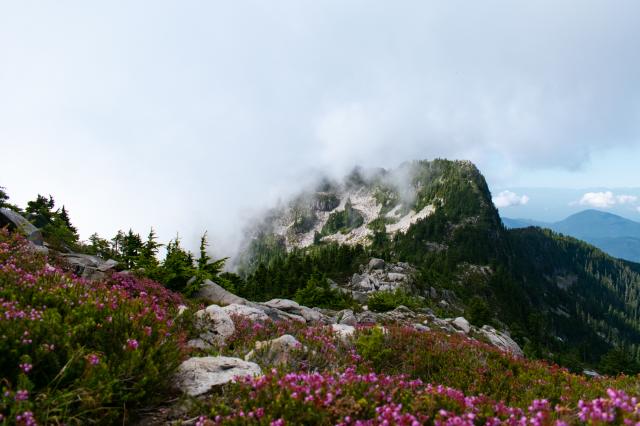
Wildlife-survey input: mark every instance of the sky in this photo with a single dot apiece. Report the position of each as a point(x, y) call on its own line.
point(195, 115)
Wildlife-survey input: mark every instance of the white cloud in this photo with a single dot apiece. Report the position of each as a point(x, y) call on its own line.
point(509, 199)
point(606, 199)
point(626, 199)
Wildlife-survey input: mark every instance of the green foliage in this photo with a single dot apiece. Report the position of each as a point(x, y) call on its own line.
point(318, 293)
point(478, 312)
point(55, 225)
point(618, 360)
point(284, 275)
point(343, 221)
point(3, 197)
point(371, 346)
point(75, 352)
point(383, 301)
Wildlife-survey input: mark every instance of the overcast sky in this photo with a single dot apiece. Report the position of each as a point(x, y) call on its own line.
point(191, 115)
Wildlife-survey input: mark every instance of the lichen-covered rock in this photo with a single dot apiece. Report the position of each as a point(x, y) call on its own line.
point(199, 375)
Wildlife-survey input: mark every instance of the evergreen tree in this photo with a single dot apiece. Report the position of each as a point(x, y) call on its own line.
point(3, 197)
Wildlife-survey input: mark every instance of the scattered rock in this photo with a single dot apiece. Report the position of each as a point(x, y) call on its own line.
point(216, 294)
point(421, 327)
point(376, 264)
point(462, 324)
point(343, 331)
point(250, 312)
point(88, 266)
point(216, 326)
point(277, 351)
point(291, 307)
point(199, 375)
point(347, 317)
point(501, 340)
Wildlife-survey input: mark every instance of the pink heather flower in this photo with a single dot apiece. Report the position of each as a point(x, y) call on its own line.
point(26, 418)
point(22, 395)
point(93, 359)
point(279, 422)
point(201, 421)
point(132, 344)
point(26, 367)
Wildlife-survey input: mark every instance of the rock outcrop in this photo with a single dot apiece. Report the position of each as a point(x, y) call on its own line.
point(199, 375)
point(216, 294)
point(16, 221)
point(88, 266)
point(379, 276)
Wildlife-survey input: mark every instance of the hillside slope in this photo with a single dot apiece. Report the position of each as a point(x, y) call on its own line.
point(561, 299)
point(615, 235)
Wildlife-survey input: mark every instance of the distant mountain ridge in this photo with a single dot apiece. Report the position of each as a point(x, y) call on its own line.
point(613, 234)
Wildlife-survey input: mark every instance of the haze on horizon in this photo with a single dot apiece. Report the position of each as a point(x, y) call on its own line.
point(194, 115)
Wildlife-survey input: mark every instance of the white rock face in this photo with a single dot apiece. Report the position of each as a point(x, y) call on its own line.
point(501, 340)
point(199, 375)
point(406, 221)
point(254, 314)
point(216, 326)
point(462, 324)
point(277, 351)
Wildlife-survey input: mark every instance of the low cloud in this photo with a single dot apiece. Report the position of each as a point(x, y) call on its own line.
point(606, 199)
point(509, 199)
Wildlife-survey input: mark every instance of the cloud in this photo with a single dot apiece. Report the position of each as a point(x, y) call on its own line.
point(186, 115)
point(509, 199)
point(606, 199)
point(627, 199)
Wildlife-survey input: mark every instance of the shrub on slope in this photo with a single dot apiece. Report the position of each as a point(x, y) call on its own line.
point(80, 352)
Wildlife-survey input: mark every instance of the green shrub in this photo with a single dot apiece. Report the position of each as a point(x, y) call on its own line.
point(75, 351)
point(383, 301)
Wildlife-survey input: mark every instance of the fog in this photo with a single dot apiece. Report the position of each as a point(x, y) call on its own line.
point(191, 116)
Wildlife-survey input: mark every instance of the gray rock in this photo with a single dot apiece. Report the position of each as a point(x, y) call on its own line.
point(462, 324)
point(15, 221)
point(376, 264)
point(88, 266)
point(501, 340)
point(276, 351)
point(293, 308)
point(421, 327)
point(250, 312)
point(199, 375)
point(216, 325)
point(216, 294)
point(395, 276)
point(347, 317)
point(343, 331)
